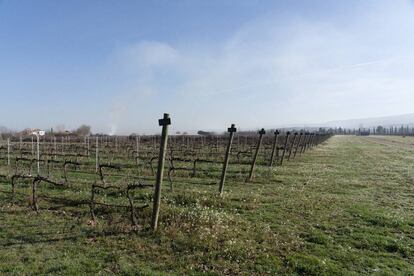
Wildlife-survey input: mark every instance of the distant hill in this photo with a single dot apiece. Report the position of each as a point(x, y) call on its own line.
point(398, 120)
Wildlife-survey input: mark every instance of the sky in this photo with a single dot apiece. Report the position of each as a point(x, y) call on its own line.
point(119, 65)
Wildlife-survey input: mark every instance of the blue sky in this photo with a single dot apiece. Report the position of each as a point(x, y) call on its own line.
point(118, 65)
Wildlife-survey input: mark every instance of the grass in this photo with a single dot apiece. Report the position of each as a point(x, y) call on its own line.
point(345, 207)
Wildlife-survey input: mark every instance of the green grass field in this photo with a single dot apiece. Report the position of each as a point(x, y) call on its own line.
point(345, 207)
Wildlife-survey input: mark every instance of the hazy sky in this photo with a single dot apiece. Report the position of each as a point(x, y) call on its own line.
point(118, 65)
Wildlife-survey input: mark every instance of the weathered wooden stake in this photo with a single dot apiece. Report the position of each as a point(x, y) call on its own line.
point(231, 130)
point(88, 146)
point(32, 146)
point(164, 122)
point(284, 148)
point(305, 141)
point(85, 145)
point(312, 141)
point(137, 146)
point(55, 146)
point(259, 143)
point(38, 155)
point(8, 152)
point(274, 148)
point(295, 135)
point(298, 144)
point(97, 154)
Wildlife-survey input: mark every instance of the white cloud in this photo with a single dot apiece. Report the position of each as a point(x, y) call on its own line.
point(274, 72)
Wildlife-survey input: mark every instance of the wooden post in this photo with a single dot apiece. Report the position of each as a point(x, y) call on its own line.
point(55, 146)
point(305, 140)
point(38, 155)
point(88, 146)
point(298, 144)
point(32, 147)
point(259, 143)
point(292, 144)
point(8, 152)
point(137, 145)
point(317, 140)
point(97, 154)
point(284, 148)
point(231, 130)
point(311, 140)
point(164, 122)
point(274, 148)
point(85, 145)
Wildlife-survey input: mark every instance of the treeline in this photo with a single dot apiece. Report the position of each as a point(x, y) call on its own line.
point(377, 130)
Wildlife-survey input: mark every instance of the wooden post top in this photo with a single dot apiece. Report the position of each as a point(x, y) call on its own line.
point(232, 128)
point(288, 133)
point(262, 131)
point(165, 121)
point(277, 132)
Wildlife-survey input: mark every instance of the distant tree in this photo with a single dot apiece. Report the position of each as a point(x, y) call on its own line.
point(83, 130)
point(380, 129)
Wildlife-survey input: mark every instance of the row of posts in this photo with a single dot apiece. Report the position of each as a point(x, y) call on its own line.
point(165, 122)
point(305, 141)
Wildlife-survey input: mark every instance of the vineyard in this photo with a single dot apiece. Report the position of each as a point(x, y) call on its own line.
point(119, 171)
point(226, 204)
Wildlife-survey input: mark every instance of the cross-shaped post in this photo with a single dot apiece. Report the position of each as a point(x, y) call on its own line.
point(164, 122)
point(231, 130)
point(285, 147)
point(276, 133)
point(259, 143)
